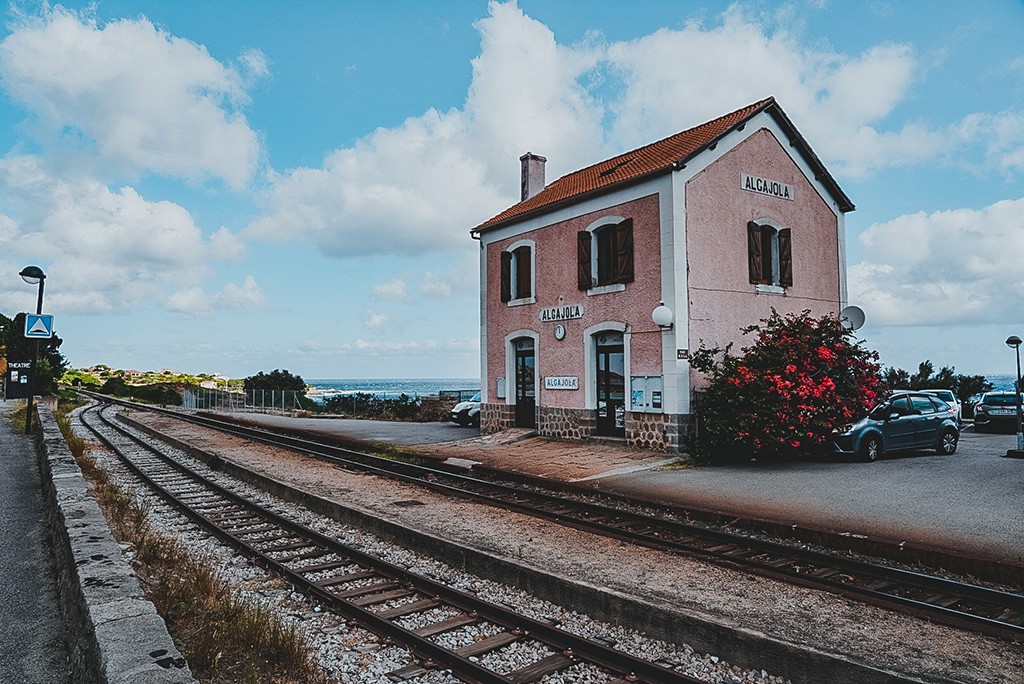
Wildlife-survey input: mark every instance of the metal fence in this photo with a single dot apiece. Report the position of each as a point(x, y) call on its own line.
point(260, 401)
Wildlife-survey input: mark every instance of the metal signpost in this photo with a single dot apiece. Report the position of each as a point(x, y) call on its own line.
point(38, 326)
point(1014, 341)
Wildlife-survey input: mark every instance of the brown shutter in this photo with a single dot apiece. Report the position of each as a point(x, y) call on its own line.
point(785, 257)
point(524, 281)
point(755, 259)
point(624, 260)
point(583, 275)
point(506, 276)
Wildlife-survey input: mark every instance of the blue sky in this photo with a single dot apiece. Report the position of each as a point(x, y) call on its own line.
point(241, 186)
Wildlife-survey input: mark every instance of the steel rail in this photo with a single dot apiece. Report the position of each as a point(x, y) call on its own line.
point(951, 602)
point(572, 648)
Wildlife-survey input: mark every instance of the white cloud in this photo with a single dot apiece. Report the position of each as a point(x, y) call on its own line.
point(434, 287)
point(420, 186)
point(131, 95)
point(947, 267)
point(375, 320)
point(391, 292)
point(111, 249)
point(193, 301)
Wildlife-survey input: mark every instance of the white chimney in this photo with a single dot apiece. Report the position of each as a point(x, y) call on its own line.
point(532, 174)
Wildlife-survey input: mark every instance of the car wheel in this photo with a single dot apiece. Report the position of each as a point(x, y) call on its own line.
point(871, 448)
point(947, 442)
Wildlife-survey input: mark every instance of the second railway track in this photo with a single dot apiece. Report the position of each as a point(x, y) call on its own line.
point(939, 599)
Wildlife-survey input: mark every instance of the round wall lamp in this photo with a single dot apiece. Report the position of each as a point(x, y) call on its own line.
point(662, 316)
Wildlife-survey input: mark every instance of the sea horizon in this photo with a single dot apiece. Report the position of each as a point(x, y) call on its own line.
point(393, 387)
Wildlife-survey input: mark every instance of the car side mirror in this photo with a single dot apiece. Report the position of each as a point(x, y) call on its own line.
point(893, 416)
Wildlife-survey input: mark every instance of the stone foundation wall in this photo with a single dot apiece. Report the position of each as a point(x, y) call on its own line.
point(565, 423)
point(654, 431)
point(496, 417)
point(658, 431)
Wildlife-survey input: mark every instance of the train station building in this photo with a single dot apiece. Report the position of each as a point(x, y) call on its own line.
point(596, 287)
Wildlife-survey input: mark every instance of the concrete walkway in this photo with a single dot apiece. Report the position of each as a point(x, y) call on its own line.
point(32, 635)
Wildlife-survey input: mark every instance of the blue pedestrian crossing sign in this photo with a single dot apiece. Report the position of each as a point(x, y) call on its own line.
point(39, 326)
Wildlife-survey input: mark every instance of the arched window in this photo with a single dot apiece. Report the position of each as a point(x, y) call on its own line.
point(517, 273)
point(769, 255)
point(604, 256)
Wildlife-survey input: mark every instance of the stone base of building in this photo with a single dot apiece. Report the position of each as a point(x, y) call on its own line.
point(654, 431)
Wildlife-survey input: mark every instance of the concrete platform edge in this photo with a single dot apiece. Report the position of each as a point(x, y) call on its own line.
point(800, 663)
point(120, 637)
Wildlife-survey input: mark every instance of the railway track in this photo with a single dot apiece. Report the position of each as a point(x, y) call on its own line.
point(371, 592)
point(939, 599)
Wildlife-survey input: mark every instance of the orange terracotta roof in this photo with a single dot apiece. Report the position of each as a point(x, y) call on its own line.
point(658, 157)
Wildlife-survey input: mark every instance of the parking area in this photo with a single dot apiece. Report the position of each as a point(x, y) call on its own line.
point(972, 501)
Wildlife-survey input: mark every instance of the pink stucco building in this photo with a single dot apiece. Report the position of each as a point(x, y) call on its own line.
point(595, 288)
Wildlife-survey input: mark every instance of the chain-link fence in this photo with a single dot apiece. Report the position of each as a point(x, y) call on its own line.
point(261, 401)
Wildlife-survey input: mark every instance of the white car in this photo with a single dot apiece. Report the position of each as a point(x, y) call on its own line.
point(467, 413)
point(948, 397)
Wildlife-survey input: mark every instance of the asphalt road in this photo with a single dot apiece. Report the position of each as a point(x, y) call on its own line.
point(972, 500)
point(32, 646)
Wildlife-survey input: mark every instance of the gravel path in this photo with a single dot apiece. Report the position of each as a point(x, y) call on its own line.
point(802, 617)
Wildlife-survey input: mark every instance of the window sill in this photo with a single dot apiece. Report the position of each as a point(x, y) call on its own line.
point(770, 289)
point(522, 302)
point(606, 289)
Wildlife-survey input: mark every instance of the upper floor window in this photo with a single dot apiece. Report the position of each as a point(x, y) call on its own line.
point(769, 255)
point(517, 273)
point(604, 256)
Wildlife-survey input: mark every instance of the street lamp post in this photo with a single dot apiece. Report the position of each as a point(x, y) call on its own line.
point(33, 275)
point(1014, 341)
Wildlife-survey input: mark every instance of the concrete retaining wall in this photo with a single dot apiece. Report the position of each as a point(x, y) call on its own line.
point(115, 633)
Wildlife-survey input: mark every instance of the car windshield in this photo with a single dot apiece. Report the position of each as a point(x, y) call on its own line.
point(1000, 399)
point(476, 397)
point(945, 395)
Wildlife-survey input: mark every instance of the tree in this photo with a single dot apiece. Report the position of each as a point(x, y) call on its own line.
point(963, 386)
point(275, 380)
point(280, 380)
point(800, 379)
point(50, 365)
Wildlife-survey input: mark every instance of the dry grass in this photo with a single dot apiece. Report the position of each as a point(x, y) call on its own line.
point(224, 638)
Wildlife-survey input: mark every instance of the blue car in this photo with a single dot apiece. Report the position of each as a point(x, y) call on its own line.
point(903, 422)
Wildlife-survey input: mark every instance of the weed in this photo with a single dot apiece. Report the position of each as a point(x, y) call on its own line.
point(223, 637)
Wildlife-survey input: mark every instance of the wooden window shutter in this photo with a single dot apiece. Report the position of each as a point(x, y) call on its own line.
point(785, 257)
point(583, 275)
point(624, 243)
point(506, 276)
point(755, 255)
point(524, 279)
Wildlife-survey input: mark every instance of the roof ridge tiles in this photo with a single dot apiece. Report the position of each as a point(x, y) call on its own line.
point(656, 157)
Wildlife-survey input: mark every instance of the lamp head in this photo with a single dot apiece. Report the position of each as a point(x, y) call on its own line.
point(32, 275)
point(1013, 341)
point(662, 316)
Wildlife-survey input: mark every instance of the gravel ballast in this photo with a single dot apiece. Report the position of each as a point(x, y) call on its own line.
point(804, 620)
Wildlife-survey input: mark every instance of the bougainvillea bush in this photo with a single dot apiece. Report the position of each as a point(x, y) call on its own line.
point(800, 378)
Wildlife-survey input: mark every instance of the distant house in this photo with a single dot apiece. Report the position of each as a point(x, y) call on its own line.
point(595, 288)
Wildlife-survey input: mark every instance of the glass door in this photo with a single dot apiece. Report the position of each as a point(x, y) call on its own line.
point(526, 391)
point(611, 385)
